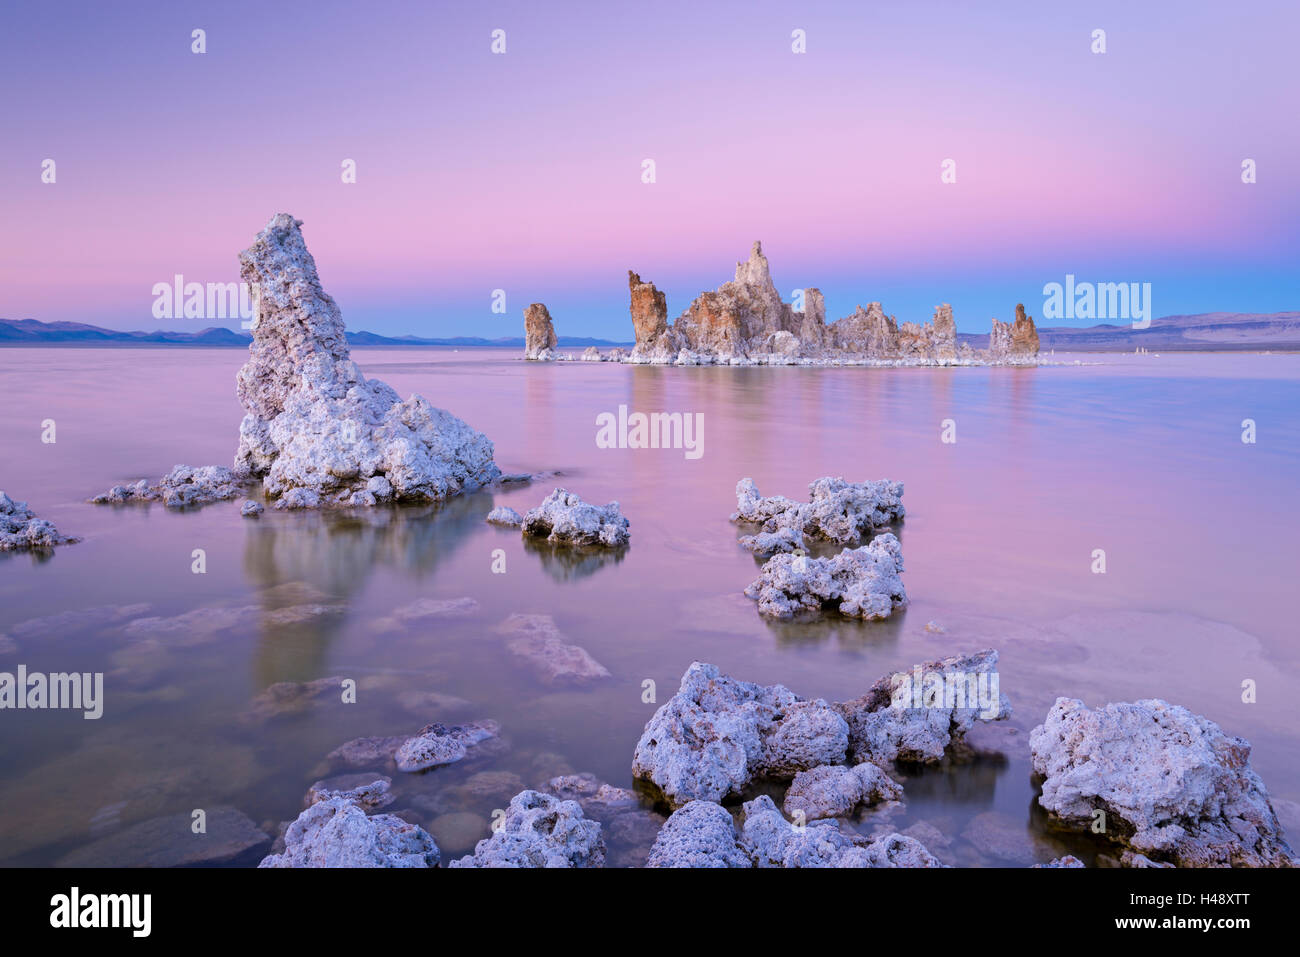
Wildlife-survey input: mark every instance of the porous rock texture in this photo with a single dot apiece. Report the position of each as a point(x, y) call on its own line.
point(745, 322)
point(318, 432)
point(336, 832)
point(438, 744)
point(885, 725)
point(540, 830)
point(20, 530)
point(836, 790)
point(504, 515)
point(564, 518)
point(1175, 789)
point(698, 834)
point(539, 333)
point(837, 511)
point(772, 841)
point(183, 486)
point(716, 734)
point(859, 582)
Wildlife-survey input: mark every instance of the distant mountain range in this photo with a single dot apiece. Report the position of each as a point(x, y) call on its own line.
point(1208, 332)
point(32, 332)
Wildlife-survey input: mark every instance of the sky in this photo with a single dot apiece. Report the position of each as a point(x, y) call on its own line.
point(523, 171)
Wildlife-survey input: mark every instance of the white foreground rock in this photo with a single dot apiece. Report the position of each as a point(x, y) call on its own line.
point(20, 530)
point(698, 834)
point(921, 715)
point(716, 734)
point(1174, 788)
point(317, 431)
point(540, 830)
point(335, 832)
point(564, 518)
point(859, 582)
point(836, 790)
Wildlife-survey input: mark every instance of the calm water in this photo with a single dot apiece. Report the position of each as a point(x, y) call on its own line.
point(1138, 455)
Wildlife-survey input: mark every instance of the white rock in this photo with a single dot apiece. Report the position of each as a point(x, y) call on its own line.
point(438, 744)
point(772, 841)
point(698, 834)
point(716, 734)
point(1173, 786)
point(501, 515)
point(540, 830)
point(316, 430)
point(336, 832)
point(858, 582)
point(565, 518)
point(836, 790)
point(838, 511)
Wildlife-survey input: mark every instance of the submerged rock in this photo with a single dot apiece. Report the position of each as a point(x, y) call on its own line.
point(858, 582)
point(20, 530)
point(336, 832)
point(540, 830)
point(838, 511)
point(836, 790)
point(716, 734)
point(368, 791)
point(182, 487)
point(922, 715)
point(698, 834)
point(539, 333)
point(171, 842)
point(1174, 788)
point(251, 509)
point(317, 432)
point(538, 642)
point(564, 518)
point(501, 515)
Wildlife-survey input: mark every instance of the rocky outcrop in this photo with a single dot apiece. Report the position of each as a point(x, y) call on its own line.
point(336, 832)
point(655, 341)
point(838, 511)
point(540, 830)
point(564, 518)
point(1173, 787)
point(772, 841)
point(745, 322)
point(318, 432)
point(922, 715)
point(182, 487)
point(539, 333)
point(20, 530)
point(836, 790)
point(716, 734)
point(1014, 342)
point(502, 515)
point(858, 582)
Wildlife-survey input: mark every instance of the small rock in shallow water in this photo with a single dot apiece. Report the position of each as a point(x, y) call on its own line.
point(20, 530)
point(182, 487)
point(251, 509)
point(540, 830)
point(438, 744)
point(501, 515)
point(858, 583)
point(337, 833)
point(839, 511)
point(564, 518)
point(539, 643)
point(771, 841)
point(368, 791)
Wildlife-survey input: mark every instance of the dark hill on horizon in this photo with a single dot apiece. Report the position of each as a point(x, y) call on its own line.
point(1206, 332)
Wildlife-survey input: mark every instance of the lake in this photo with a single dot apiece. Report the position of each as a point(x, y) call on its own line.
point(1139, 456)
